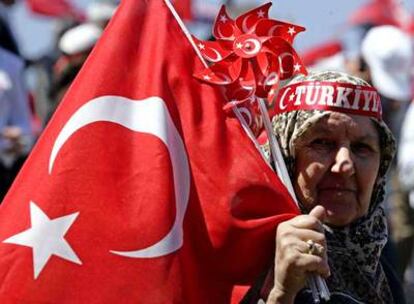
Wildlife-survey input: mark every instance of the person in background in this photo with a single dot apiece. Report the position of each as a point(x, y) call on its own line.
point(77, 42)
point(7, 40)
point(337, 159)
point(75, 45)
point(388, 55)
point(404, 221)
point(100, 13)
point(16, 137)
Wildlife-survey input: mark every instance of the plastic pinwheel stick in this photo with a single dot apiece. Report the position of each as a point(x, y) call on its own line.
point(316, 282)
point(314, 289)
point(275, 152)
point(325, 294)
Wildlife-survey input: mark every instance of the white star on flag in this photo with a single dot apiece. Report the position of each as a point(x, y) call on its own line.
point(291, 31)
point(291, 97)
point(46, 237)
point(297, 67)
point(223, 18)
point(201, 46)
point(260, 14)
point(239, 45)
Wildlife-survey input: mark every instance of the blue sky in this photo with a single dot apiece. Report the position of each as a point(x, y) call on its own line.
point(323, 20)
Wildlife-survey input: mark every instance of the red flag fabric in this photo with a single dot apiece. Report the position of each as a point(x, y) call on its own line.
point(184, 9)
point(55, 8)
point(140, 190)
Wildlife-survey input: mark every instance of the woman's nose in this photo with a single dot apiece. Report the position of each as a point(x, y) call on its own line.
point(343, 162)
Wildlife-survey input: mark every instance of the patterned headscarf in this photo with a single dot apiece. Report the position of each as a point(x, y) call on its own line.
point(353, 251)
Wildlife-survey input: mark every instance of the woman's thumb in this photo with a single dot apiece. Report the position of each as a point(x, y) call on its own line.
point(319, 212)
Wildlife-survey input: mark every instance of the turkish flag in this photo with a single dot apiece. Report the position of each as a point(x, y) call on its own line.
point(55, 8)
point(140, 190)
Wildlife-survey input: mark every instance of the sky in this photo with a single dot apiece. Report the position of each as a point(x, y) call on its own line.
point(323, 19)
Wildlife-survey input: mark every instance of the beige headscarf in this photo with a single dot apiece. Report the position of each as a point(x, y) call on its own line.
point(353, 251)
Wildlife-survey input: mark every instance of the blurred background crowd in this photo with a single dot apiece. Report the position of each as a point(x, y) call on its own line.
point(44, 43)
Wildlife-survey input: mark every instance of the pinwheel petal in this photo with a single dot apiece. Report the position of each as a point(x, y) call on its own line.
point(224, 26)
point(234, 66)
point(247, 21)
point(247, 77)
point(238, 91)
point(212, 51)
point(263, 62)
point(214, 77)
point(268, 86)
point(249, 109)
point(286, 57)
point(271, 95)
point(271, 28)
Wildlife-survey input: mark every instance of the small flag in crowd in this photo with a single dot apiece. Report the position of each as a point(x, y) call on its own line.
point(55, 8)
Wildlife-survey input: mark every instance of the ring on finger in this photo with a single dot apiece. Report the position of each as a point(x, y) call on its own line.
point(315, 248)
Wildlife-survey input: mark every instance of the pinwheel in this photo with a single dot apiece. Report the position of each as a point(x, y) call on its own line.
point(250, 55)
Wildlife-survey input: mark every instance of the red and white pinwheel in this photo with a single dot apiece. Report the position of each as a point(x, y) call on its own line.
point(251, 54)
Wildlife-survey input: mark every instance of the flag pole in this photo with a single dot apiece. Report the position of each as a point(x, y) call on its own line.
point(185, 31)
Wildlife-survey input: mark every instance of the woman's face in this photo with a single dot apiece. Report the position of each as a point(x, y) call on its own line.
point(337, 163)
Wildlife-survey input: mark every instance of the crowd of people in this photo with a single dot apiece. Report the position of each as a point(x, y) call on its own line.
point(373, 52)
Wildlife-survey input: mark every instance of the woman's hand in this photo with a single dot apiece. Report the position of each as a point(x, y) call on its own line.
point(293, 262)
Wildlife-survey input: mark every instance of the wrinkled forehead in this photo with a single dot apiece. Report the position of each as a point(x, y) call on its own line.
point(343, 126)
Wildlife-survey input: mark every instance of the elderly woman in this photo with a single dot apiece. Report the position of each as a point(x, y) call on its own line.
point(337, 150)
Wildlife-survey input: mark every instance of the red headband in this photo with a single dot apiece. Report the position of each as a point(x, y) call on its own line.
point(332, 96)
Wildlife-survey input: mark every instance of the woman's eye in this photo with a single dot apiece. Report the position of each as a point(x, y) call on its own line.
point(362, 148)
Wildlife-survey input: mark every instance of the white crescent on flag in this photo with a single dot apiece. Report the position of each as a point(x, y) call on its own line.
point(150, 116)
